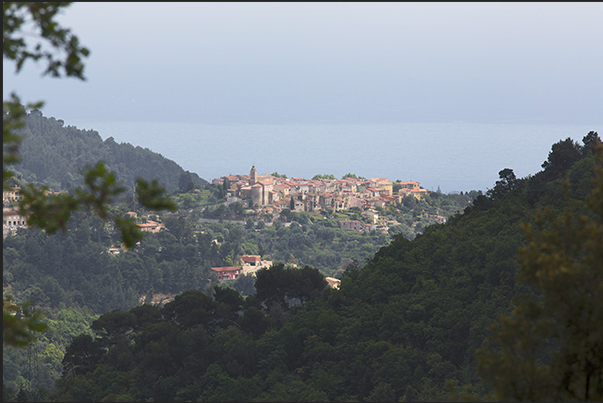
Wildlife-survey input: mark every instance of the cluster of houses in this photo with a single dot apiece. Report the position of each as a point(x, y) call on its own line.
point(12, 218)
point(147, 225)
point(272, 194)
point(312, 195)
point(249, 265)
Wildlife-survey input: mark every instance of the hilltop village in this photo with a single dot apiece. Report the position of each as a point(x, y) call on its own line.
point(269, 195)
point(372, 208)
point(272, 193)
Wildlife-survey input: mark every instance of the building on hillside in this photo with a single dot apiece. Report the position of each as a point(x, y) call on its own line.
point(12, 220)
point(419, 193)
point(356, 201)
point(251, 260)
point(352, 224)
point(250, 264)
point(10, 197)
point(281, 204)
point(412, 188)
point(150, 226)
point(395, 198)
point(313, 204)
point(326, 201)
point(379, 202)
point(245, 193)
point(227, 273)
point(231, 181)
point(260, 190)
point(114, 251)
point(410, 185)
point(333, 282)
point(340, 203)
point(298, 203)
point(283, 189)
point(383, 184)
point(371, 214)
point(303, 186)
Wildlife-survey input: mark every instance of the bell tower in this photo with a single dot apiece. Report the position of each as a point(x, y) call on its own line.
point(253, 176)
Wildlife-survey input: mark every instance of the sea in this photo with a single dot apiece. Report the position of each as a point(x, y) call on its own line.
point(446, 157)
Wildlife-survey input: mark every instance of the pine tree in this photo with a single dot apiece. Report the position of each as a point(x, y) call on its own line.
point(551, 347)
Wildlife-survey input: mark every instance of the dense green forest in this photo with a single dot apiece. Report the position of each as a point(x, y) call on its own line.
point(410, 323)
point(74, 279)
point(55, 155)
point(405, 323)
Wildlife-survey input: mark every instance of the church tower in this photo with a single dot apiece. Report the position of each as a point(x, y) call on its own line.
point(253, 176)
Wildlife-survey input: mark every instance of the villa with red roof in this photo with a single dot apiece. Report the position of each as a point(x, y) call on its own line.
point(150, 226)
point(227, 272)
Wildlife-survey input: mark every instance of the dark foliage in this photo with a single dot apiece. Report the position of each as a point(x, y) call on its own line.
point(55, 155)
point(403, 324)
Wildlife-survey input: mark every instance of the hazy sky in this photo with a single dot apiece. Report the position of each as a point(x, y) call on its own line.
point(329, 63)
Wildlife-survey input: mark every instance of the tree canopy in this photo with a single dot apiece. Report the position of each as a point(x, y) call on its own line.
point(526, 256)
point(551, 347)
point(49, 211)
point(402, 326)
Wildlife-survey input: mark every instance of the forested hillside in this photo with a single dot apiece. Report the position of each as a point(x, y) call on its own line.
point(73, 275)
point(73, 279)
point(403, 324)
point(54, 155)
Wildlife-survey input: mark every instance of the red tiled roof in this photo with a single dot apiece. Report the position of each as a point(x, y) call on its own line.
point(148, 224)
point(225, 268)
point(10, 213)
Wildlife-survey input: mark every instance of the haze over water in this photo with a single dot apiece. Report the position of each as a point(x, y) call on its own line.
point(447, 94)
point(451, 156)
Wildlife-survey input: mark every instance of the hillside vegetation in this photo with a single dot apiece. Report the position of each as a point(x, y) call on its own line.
point(73, 278)
point(405, 323)
point(54, 155)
